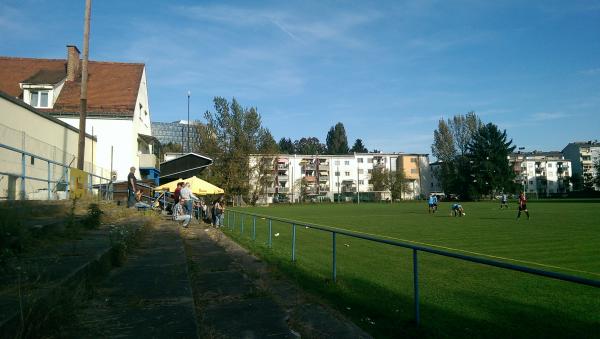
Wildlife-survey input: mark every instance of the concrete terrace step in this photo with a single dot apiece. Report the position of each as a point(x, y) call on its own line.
point(54, 276)
point(149, 297)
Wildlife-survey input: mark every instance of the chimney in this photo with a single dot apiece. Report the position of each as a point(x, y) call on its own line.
point(72, 62)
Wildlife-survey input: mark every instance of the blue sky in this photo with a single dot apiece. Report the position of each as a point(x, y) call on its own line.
point(388, 70)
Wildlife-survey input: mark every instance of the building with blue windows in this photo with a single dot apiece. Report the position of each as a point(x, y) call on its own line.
point(176, 133)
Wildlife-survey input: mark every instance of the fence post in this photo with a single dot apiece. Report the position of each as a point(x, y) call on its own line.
point(243, 218)
point(23, 195)
point(49, 179)
point(416, 287)
point(234, 216)
point(67, 182)
point(293, 242)
point(270, 233)
point(254, 227)
point(333, 266)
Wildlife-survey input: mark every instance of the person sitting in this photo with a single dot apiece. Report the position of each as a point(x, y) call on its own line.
point(179, 213)
point(457, 209)
point(139, 204)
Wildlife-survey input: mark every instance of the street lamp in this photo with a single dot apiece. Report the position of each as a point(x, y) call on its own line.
point(188, 122)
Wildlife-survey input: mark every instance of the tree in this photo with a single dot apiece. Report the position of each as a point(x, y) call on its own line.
point(380, 179)
point(597, 177)
point(450, 142)
point(577, 181)
point(286, 146)
point(488, 158)
point(398, 184)
point(358, 147)
point(337, 142)
point(308, 146)
point(231, 134)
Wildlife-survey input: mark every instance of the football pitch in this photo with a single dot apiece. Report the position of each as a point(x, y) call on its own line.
point(457, 298)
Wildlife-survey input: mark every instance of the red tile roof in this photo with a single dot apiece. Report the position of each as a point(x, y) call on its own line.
point(112, 86)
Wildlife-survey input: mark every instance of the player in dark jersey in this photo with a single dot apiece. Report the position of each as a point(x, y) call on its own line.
point(523, 205)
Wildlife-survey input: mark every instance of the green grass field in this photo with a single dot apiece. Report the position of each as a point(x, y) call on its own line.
point(457, 298)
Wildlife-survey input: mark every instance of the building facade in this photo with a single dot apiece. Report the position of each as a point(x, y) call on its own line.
point(176, 133)
point(542, 173)
point(583, 156)
point(27, 129)
point(285, 177)
point(118, 111)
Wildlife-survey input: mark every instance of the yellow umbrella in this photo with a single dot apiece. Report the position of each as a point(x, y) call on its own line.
point(198, 186)
point(201, 187)
point(170, 186)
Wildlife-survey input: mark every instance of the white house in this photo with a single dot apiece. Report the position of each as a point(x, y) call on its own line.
point(583, 156)
point(333, 177)
point(542, 173)
point(118, 112)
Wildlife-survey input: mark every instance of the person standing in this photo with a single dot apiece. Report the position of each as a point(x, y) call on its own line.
point(523, 205)
point(131, 187)
point(504, 201)
point(186, 193)
point(179, 213)
point(218, 213)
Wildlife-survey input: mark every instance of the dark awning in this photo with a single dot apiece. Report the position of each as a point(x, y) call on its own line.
point(185, 166)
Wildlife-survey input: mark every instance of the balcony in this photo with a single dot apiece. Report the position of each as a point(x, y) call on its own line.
point(282, 177)
point(148, 161)
point(282, 167)
point(309, 167)
point(323, 178)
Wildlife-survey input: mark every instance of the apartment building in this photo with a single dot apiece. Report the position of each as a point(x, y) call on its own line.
point(285, 177)
point(542, 173)
point(583, 155)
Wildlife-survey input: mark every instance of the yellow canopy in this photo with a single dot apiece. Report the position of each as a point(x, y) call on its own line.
point(199, 186)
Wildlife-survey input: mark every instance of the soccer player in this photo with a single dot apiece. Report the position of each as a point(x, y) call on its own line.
point(523, 205)
point(504, 201)
point(432, 202)
point(457, 209)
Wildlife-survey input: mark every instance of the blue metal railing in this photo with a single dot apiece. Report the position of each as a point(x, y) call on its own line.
point(65, 175)
point(415, 250)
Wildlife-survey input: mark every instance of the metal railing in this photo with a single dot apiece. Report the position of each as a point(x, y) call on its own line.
point(415, 249)
point(63, 180)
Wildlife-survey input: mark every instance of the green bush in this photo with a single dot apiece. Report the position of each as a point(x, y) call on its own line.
point(93, 217)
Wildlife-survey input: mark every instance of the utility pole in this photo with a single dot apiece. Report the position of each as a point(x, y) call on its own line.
point(84, 76)
point(188, 123)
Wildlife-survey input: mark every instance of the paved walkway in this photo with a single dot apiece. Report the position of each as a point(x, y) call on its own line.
point(149, 297)
point(188, 283)
point(238, 297)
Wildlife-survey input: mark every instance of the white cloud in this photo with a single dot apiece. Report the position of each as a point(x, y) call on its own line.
point(591, 71)
point(545, 116)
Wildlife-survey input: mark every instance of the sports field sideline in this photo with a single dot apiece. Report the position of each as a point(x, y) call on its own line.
point(375, 280)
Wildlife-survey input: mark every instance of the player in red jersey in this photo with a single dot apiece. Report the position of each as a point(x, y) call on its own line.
point(523, 205)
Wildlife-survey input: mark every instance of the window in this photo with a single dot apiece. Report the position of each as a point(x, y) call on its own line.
point(531, 182)
point(361, 171)
point(337, 174)
point(413, 170)
point(337, 162)
point(360, 160)
point(337, 184)
point(347, 162)
point(347, 174)
point(549, 165)
point(39, 99)
point(369, 171)
point(361, 182)
point(370, 160)
point(413, 160)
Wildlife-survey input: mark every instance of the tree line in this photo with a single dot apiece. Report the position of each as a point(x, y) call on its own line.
point(473, 157)
point(336, 143)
